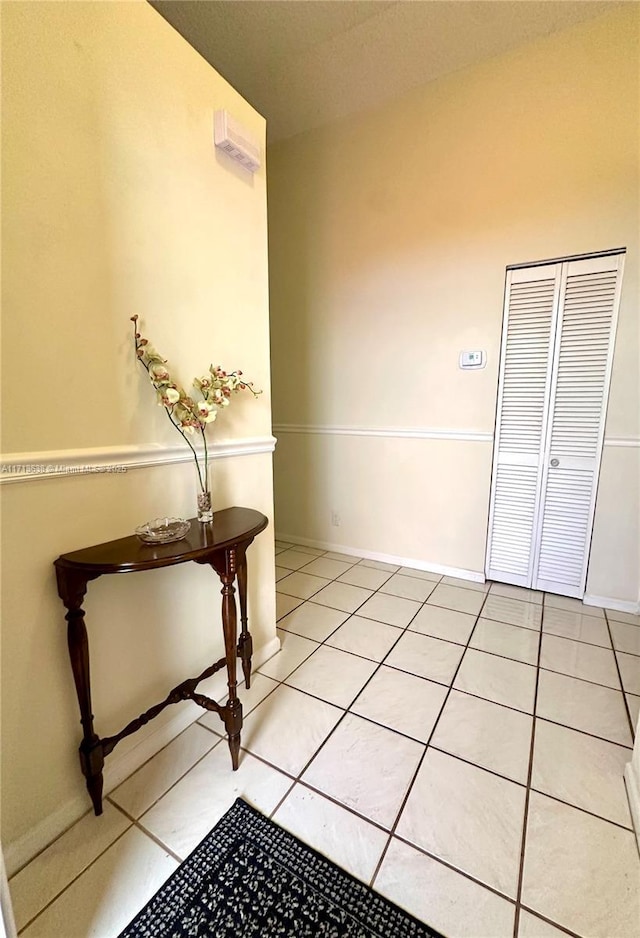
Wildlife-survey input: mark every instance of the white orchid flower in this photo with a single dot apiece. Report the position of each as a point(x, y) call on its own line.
point(158, 372)
point(170, 396)
point(206, 412)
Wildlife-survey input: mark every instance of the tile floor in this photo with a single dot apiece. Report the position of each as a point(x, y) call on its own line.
point(458, 745)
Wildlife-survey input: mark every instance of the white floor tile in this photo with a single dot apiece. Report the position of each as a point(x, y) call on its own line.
point(517, 592)
point(576, 626)
point(499, 679)
point(288, 727)
point(626, 637)
point(191, 808)
point(346, 558)
point(110, 893)
point(629, 617)
point(349, 841)
point(409, 587)
point(390, 609)
point(587, 662)
point(510, 641)
point(530, 926)
point(380, 565)
point(582, 770)
point(333, 675)
point(467, 810)
point(293, 559)
point(153, 779)
point(365, 637)
point(629, 671)
point(313, 621)
point(572, 605)
point(468, 817)
point(261, 686)
point(357, 753)
point(366, 577)
point(45, 877)
point(582, 706)
point(447, 901)
point(285, 604)
point(491, 736)
point(302, 585)
point(581, 872)
point(452, 597)
point(342, 596)
point(466, 584)
point(402, 702)
point(328, 568)
point(444, 623)
point(426, 657)
point(633, 702)
point(294, 650)
point(420, 574)
point(512, 611)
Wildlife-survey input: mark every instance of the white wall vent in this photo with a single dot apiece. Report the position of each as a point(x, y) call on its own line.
point(229, 135)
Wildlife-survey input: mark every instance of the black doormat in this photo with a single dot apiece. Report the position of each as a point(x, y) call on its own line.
point(251, 879)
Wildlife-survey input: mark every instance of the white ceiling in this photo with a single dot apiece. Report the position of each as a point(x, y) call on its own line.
point(302, 63)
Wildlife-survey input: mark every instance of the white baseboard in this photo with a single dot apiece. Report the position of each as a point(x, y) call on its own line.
point(118, 767)
point(632, 782)
point(474, 575)
point(608, 602)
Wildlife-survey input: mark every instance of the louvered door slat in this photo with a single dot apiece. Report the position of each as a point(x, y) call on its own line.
point(530, 306)
point(582, 364)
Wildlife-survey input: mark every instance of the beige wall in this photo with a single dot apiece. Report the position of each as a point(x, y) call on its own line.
point(389, 236)
point(115, 202)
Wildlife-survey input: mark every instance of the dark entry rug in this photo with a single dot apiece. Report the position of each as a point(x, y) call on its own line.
point(251, 879)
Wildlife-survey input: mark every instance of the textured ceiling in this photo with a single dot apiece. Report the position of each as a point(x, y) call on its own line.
point(302, 63)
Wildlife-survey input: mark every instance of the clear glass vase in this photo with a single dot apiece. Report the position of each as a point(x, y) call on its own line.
point(205, 511)
point(203, 494)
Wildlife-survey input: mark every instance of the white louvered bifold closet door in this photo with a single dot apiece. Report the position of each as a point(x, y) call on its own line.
point(557, 350)
point(531, 304)
point(589, 299)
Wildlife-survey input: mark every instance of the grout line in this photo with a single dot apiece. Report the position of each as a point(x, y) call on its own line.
point(283, 799)
point(549, 921)
point(124, 811)
point(107, 797)
point(455, 869)
point(577, 807)
point(377, 667)
point(50, 844)
point(401, 630)
point(624, 694)
point(135, 822)
point(515, 625)
point(438, 684)
point(75, 878)
point(158, 842)
point(421, 761)
point(525, 817)
point(450, 687)
point(473, 648)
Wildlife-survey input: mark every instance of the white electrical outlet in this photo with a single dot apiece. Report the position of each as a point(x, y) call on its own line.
point(335, 519)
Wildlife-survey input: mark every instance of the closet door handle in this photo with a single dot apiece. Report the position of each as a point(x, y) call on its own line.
point(555, 463)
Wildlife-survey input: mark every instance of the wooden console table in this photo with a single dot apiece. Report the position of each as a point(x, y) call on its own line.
point(223, 545)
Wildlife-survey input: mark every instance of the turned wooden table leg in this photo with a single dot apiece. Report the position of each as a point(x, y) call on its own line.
point(245, 642)
point(91, 752)
point(233, 711)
